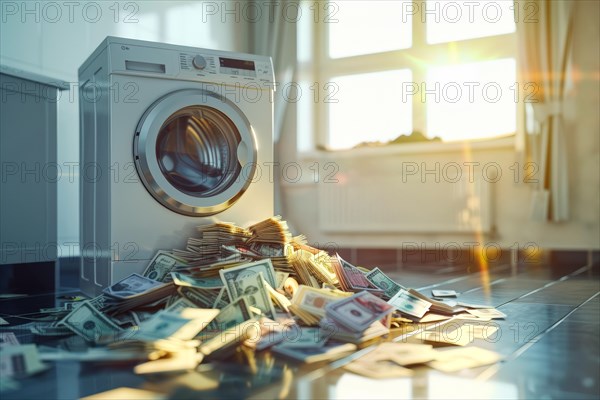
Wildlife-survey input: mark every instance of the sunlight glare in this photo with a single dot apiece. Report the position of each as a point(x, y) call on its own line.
point(369, 108)
point(471, 101)
point(363, 27)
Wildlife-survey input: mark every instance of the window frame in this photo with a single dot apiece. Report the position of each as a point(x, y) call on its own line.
point(320, 68)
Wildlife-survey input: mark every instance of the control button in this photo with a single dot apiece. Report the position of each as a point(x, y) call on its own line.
point(199, 62)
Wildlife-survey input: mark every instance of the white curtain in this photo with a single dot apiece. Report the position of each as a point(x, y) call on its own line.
point(545, 50)
point(274, 35)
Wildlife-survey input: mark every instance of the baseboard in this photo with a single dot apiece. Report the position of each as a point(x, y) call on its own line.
point(407, 257)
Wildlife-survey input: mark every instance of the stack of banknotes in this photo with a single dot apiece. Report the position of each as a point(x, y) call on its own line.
point(258, 288)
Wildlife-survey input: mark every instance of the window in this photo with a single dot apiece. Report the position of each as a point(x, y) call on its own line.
point(375, 70)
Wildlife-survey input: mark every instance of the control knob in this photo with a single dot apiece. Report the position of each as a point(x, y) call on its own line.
point(199, 62)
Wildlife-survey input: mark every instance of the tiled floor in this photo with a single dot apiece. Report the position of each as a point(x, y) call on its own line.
point(550, 345)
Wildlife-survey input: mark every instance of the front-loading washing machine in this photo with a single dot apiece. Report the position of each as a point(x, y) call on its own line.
point(172, 137)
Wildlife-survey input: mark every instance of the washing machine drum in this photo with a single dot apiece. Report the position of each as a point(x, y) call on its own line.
point(195, 152)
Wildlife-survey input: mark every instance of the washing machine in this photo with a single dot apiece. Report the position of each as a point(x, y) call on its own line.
point(172, 137)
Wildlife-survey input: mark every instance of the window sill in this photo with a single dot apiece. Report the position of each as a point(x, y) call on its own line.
point(505, 142)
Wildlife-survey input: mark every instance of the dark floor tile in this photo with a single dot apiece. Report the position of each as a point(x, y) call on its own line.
point(573, 291)
point(564, 362)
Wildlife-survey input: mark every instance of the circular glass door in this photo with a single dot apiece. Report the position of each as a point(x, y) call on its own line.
point(195, 152)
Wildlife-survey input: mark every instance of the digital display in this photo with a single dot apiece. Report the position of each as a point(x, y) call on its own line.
point(237, 64)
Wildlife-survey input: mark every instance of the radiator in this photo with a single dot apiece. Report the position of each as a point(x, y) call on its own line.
point(385, 204)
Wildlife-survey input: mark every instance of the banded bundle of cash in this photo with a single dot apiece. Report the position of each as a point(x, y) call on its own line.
point(225, 245)
point(136, 291)
point(207, 247)
point(319, 265)
point(211, 269)
point(357, 318)
point(271, 230)
point(351, 279)
point(309, 303)
point(272, 238)
point(242, 251)
point(281, 254)
point(339, 332)
point(300, 266)
point(313, 268)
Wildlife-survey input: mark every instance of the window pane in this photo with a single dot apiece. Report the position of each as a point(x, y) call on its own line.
point(304, 35)
point(369, 108)
point(305, 118)
point(471, 101)
point(364, 27)
point(449, 21)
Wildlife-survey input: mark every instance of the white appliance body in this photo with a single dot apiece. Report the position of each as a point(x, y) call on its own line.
point(172, 137)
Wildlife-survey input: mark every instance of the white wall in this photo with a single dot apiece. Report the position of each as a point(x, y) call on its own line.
point(511, 202)
point(55, 40)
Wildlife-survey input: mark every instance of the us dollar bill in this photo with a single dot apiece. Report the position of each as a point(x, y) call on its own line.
point(202, 298)
point(281, 277)
point(179, 305)
point(8, 339)
point(465, 357)
point(182, 324)
point(90, 323)
point(232, 315)
point(20, 361)
point(359, 311)
point(131, 286)
point(314, 300)
point(161, 265)
point(205, 283)
point(98, 302)
point(222, 299)
point(253, 288)
point(47, 330)
point(264, 266)
point(384, 282)
point(306, 337)
point(407, 303)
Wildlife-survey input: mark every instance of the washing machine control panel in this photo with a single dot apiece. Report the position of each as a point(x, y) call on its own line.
point(188, 63)
point(228, 68)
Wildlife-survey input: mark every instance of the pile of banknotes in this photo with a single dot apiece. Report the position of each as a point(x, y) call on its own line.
point(258, 288)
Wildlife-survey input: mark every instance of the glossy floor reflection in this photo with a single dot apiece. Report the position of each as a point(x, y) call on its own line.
point(549, 343)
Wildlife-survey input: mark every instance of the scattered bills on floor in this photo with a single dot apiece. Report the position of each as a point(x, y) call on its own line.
point(257, 288)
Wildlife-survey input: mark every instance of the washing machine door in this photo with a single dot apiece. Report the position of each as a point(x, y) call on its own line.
point(195, 152)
